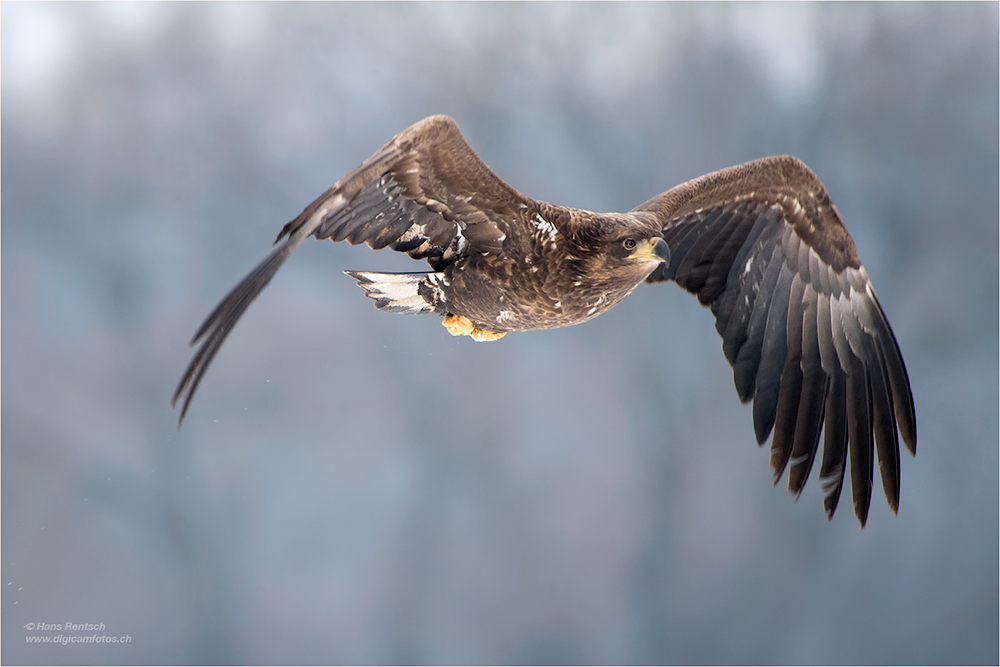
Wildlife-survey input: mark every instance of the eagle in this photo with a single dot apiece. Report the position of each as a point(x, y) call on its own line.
point(761, 244)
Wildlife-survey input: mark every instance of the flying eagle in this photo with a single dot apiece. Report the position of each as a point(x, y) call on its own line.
point(761, 244)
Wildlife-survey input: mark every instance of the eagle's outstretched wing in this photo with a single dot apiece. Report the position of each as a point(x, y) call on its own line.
point(425, 193)
point(764, 247)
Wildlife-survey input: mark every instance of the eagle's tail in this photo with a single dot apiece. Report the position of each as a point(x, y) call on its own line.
point(409, 293)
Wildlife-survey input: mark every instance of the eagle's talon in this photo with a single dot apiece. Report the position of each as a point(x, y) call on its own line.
point(457, 325)
point(483, 336)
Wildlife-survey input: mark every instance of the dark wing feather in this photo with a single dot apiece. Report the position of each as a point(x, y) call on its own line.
point(764, 247)
point(774, 347)
point(790, 390)
point(831, 471)
point(743, 338)
point(425, 193)
point(815, 383)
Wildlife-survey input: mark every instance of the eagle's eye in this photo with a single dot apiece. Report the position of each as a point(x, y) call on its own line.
point(629, 244)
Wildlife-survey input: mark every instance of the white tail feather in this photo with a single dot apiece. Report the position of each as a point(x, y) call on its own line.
point(400, 292)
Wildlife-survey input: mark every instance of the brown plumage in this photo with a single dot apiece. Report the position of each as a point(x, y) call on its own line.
point(761, 244)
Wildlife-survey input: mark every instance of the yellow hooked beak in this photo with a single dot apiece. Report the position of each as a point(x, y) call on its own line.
point(653, 250)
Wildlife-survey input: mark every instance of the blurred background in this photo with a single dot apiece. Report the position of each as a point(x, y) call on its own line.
point(357, 487)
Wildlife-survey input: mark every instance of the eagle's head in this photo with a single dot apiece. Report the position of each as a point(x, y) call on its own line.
point(616, 250)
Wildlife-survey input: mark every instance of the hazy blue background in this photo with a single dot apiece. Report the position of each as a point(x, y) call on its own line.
point(357, 487)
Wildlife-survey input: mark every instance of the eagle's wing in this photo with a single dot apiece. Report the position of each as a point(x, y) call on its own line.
point(425, 193)
point(764, 247)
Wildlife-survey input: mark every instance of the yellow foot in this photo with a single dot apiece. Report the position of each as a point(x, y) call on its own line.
point(482, 335)
point(458, 325)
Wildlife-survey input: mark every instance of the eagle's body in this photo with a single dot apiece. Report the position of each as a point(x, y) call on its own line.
point(761, 244)
point(516, 290)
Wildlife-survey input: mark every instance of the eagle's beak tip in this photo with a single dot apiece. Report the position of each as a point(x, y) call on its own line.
point(661, 249)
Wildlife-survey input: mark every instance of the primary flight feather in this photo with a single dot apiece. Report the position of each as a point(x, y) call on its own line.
point(761, 244)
